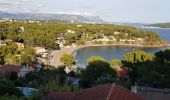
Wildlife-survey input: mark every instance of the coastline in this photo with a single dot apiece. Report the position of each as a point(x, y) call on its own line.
point(155, 27)
point(55, 60)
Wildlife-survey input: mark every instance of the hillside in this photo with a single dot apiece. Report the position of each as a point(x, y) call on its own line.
point(46, 34)
point(43, 16)
point(162, 25)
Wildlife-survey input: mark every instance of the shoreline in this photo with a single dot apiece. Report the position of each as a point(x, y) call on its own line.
point(55, 60)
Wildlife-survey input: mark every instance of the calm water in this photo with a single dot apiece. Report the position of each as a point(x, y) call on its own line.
point(111, 52)
point(163, 33)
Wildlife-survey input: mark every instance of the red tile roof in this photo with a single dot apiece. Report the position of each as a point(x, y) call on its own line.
point(122, 72)
point(101, 92)
point(4, 69)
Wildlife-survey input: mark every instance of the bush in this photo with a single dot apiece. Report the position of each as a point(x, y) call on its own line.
point(13, 76)
point(98, 42)
point(7, 87)
point(80, 42)
point(110, 42)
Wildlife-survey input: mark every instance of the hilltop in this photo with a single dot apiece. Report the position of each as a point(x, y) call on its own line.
point(59, 17)
point(161, 25)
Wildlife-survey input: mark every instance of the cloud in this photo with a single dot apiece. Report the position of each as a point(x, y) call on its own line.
point(13, 5)
point(76, 13)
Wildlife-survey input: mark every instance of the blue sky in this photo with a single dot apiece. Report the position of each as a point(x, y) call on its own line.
point(145, 11)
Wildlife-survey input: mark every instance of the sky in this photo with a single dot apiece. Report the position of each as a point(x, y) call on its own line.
point(136, 11)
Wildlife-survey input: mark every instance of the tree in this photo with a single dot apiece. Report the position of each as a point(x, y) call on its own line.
point(138, 56)
point(13, 76)
point(116, 62)
point(6, 51)
point(12, 59)
point(28, 56)
point(133, 60)
point(163, 56)
point(67, 60)
point(25, 59)
point(7, 87)
point(94, 58)
point(95, 70)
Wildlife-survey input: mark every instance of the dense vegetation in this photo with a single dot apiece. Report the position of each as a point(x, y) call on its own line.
point(144, 69)
point(11, 55)
point(45, 34)
point(162, 25)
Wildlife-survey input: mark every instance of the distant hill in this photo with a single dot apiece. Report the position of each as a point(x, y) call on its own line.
point(162, 25)
point(42, 16)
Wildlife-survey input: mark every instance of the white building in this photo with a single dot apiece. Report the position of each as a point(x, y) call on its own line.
point(2, 43)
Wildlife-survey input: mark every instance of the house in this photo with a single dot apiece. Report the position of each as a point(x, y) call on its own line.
point(24, 70)
point(131, 40)
point(70, 31)
point(6, 70)
point(104, 39)
point(101, 92)
point(21, 29)
point(41, 51)
point(151, 93)
point(122, 40)
point(2, 43)
point(20, 46)
point(116, 33)
point(79, 25)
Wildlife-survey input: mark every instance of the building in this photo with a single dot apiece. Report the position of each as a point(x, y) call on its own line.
point(70, 31)
point(2, 43)
point(152, 93)
point(39, 50)
point(20, 46)
point(101, 92)
point(79, 25)
point(24, 70)
point(6, 70)
point(21, 29)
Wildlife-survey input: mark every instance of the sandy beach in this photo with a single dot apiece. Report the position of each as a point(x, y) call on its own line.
point(55, 60)
point(57, 54)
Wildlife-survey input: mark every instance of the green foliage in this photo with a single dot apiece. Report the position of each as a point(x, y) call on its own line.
point(163, 56)
point(98, 42)
point(138, 56)
point(9, 98)
point(110, 42)
point(45, 34)
point(67, 60)
point(151, 73)
point(53, 85)
point(116, 62)
point(94, 58)
point(6, 51)
point(28, 56)
point(10, 55)
point(80, 42)
point(95, 70)
point(8, 88)
point(36, 79)
point(162, 25)
point(13, 76)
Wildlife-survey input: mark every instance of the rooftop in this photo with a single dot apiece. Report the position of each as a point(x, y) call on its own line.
point(101, 92)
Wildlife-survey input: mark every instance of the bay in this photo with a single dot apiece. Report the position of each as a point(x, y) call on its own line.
point(117, 52)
